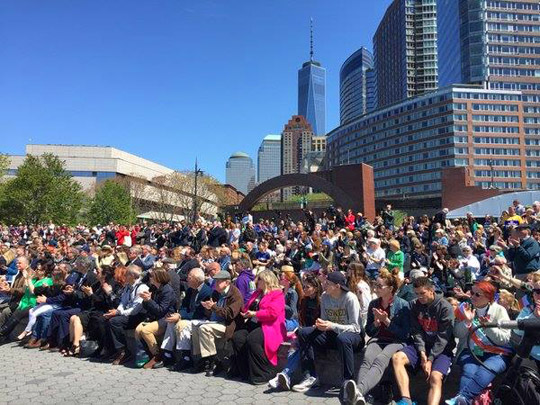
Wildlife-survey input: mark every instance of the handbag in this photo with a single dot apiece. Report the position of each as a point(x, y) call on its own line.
point(88, 348)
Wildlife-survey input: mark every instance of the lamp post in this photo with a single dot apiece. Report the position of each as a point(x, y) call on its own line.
point(490, 163)
point(197, 173)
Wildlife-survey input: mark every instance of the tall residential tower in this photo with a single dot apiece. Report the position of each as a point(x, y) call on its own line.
point(405, 50)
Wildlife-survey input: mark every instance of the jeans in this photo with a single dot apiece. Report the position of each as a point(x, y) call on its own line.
point(345, 342)
point(41, 328)
point(293, 361)
point(38, 311)
point(474, 377)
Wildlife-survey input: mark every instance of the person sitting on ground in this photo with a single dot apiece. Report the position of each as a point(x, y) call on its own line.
point(256, 342)
point(358, 283)
point(245, 282)
point(375, 257)
point(339, 327)
point(395, 258)
point(432, 320)
point(15, 291)
point(157, 305)
point(292, 288)
point(91, 322)
point(223, 312)
point(19, 318)
point(126, 316)
point(388, 327)
point(179, 325)
point(39, 317)
point(490, 345)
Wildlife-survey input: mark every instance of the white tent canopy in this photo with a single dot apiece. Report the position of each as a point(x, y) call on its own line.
point(494, 206)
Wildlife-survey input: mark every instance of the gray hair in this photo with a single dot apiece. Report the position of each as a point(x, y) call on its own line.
point(137, 250)
point(198, 274)
point(134, 270)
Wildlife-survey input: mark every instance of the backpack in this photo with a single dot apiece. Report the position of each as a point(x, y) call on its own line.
point(525, 392)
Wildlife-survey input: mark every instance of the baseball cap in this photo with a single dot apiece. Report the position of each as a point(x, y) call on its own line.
point(338, 278)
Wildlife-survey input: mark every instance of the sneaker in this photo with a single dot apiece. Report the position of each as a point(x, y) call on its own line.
point(306, 384)
point(457, 400)
point(360, 400)
point(349, 392)
point(405, 402)
point(273, 383)
point(284, 381)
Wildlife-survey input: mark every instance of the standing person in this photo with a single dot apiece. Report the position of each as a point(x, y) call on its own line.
point(490, 345)
point(388, 327)
point(257, 341)
point(388, 217)
point(432, 320)
point(338, 327)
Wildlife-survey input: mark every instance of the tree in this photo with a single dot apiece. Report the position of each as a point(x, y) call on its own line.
point(112, 202)
point(41, 191)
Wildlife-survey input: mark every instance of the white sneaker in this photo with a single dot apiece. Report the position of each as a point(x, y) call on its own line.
point(350, 393)
point(273, 383)
point(360, 400)
point(284, 381)
point(306, 384)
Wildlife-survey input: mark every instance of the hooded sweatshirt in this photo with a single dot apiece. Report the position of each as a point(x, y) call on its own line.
point(432, 327)
point(246, 284)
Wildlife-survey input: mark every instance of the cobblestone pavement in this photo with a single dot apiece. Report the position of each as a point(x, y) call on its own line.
point(32, 377)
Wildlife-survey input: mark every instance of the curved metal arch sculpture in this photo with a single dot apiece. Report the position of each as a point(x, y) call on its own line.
point(350, 186)
point(296, 179)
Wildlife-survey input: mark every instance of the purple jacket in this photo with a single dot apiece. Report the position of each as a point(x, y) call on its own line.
point(245, 282)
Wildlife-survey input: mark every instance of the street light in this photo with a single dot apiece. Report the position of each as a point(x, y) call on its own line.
point(197, 173)
point(490, 163)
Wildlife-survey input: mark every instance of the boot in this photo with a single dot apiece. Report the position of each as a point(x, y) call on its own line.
point(8, 326)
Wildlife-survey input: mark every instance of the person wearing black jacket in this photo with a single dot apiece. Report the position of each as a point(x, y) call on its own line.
point(524, 251)
point(91, 321)
point(73, 300)
point(158, 305)
point(249, 234)
point(217, 236)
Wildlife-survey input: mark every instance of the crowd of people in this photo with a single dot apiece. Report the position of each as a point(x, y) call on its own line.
point(259, 300)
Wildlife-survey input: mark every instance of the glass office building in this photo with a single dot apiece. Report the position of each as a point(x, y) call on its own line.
point(269, 158)
point(312, 95)
point(405, 51)
point(240, 172)
point(354, 91)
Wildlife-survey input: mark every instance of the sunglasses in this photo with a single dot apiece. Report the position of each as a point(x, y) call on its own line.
point(536, 290)
point(477, 294)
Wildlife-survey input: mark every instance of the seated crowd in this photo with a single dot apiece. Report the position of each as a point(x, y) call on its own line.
point(261, 301)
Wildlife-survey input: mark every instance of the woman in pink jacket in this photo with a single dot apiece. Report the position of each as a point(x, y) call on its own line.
point(257, 341)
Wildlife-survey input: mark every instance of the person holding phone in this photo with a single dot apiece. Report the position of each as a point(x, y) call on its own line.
point(256, 342)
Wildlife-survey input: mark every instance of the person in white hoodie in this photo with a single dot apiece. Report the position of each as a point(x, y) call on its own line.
point(490, 345)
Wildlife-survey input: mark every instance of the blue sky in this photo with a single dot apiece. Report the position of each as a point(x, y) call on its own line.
point(169, 80)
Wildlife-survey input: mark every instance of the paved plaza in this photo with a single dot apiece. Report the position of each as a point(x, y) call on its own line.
point(32, 377)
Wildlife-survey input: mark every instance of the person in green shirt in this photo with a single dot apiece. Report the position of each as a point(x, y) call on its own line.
point(19, 318)
point(395, 257)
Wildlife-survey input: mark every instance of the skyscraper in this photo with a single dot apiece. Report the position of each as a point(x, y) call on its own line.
point(355, 94)
point(269, 158)
point(312, 93)
point(405, 50)
point(296, 143)
point(240, 172)
point(497, 45)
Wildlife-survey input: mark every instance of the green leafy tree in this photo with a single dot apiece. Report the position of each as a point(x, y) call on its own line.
point(41, 191)
point(112, 202)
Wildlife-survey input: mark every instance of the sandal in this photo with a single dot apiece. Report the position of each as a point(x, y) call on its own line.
point(23, 335)
point(73, 351)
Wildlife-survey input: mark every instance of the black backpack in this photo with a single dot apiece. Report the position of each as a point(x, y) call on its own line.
point(526, 390)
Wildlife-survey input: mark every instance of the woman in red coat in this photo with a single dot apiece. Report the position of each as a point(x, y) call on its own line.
point(349, 220)
point(257, 341)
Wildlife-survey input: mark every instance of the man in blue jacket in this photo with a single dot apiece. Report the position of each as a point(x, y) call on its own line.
point(524, 251)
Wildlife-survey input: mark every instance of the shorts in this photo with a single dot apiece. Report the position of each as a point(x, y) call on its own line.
point(441, 363)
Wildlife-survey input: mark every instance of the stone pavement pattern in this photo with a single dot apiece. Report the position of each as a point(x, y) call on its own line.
point(31, 376)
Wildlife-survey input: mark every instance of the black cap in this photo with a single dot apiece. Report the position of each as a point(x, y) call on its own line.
point(523, 226)
point(338, 278)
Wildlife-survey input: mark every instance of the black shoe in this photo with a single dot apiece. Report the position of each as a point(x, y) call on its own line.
point(183, 364)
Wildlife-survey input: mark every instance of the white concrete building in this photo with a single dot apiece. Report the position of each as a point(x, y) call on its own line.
point(90, 165)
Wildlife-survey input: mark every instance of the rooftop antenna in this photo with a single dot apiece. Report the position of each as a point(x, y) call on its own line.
point(311, 40)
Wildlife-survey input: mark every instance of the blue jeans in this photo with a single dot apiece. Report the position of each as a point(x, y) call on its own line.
point(291, 324)
point(293, 361)
point(474, 377)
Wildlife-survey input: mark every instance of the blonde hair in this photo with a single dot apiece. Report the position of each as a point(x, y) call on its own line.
point(395, 244)
point(511, 299)
point(270, 280)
